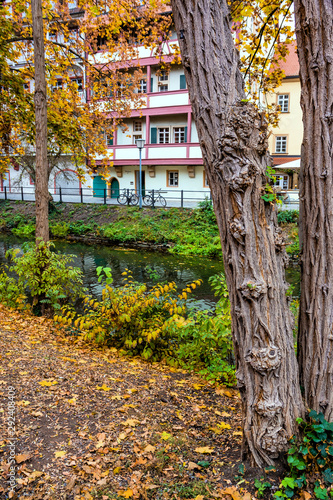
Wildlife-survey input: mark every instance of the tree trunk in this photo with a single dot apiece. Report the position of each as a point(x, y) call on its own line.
point(41, 186)
point(233, 139)
point(314, 21)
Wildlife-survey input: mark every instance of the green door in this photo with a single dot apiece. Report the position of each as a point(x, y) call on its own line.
point(114, 188)
point(99, 184)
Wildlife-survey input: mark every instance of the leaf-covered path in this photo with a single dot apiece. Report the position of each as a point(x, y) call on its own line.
point(90, 424)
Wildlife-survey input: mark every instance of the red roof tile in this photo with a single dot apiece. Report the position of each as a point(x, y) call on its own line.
point(291, 65)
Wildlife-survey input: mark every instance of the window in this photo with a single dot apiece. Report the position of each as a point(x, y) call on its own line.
point(172, 178)
point(205, 180)
point(135, 137)
point(283, 103)
point(26, 87)
point(53, 37)
point(179, 135)
point(163, 81)
point(281, 181)
point(57, 86)
point(142, 89)
point(281, 144)
point(109, 139)
point(137, 126)
point(79, 83)
point(164, 135)
point(120, 89)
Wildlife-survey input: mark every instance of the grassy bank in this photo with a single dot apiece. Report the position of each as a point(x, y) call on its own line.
point(179, 231)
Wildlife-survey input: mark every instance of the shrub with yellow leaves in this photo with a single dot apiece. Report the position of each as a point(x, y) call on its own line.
point(133, 317)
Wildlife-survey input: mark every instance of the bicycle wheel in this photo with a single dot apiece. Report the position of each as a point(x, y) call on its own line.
point(122, 199)
point(134, 199)
point(162, 201)
point(147, 200)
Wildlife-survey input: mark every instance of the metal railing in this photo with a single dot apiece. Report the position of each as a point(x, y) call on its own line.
point(174, 197)
point(180, 198)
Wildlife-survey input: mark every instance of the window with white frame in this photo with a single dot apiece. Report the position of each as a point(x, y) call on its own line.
point(283, 103)
point(109, 139)
point(53, 37)
point(163, 81)
point(281, 181)
point(26, 86)
point(173, 178)
point(163, 135)
point(120, 89)
point(137, 126)
point(281, 144)
point(142, 88)
point(179, 135)
point(136, 137)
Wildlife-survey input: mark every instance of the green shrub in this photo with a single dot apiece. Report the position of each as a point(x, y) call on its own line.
point(44, 275)
point(60, 230)
point(12, 293)
point(288, 216)
point(294, 249)
point(205, 340)
point(79, 228)
point(26, 231)
point(310, 459)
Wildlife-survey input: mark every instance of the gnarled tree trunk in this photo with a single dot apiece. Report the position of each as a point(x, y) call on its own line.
point(233, 139)
point(314, 30)
point(41, 186)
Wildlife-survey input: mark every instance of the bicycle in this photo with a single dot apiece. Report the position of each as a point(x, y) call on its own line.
point(150, 199)
point(128, 197)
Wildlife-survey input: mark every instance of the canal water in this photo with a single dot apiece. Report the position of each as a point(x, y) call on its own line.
point(146, 267)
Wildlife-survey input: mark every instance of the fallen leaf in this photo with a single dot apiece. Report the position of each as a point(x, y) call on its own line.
point(46, 383)
point(125, 494)
point(165, 436)
point(193, 466)
point(223, 425)
point(23, 458)
point(103, 388)
point(204, 449)
point(59, 454)
point(149, 448)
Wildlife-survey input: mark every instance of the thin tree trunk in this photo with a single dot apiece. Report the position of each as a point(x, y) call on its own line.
point(41, 186)
point(314, 30)
point(233, 139)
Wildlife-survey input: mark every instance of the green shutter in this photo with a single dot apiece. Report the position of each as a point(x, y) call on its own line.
point(110, 141)
point(152, 84)
point(153, 135)
point(185, 134)
point(182, 82)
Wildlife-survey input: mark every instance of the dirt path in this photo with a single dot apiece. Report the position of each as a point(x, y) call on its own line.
point(90, 424)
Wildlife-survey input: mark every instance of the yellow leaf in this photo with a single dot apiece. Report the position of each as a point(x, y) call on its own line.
point(59, 454)
point(131, 423)
point(122, 435)
point(197, 386)
point(223, 425)
point(204, 449)
point(238, 433)
point(165, 436)
point(116, 470)
point(47, 383)
point(103, 388)
point(126, 494)
point(232, 492)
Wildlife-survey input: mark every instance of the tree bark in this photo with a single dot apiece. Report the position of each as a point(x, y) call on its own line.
point(41, 186)
point(233, 139)
point(314, 22)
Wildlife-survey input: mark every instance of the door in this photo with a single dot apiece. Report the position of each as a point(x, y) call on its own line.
point(114, 188)
point(99, 185)
point(143, 181)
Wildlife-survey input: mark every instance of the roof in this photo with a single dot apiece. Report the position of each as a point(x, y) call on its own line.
point(291, 65)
